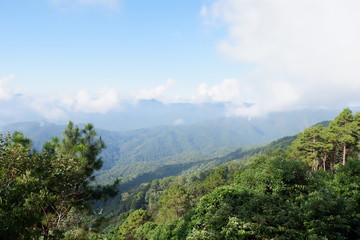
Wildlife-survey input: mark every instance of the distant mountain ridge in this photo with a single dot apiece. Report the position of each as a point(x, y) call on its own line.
point(138, 151)
point(150, 113)
point(129, 115)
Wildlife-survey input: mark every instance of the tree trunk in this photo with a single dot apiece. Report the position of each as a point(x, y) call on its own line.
point(344, 155)
point(333, 161)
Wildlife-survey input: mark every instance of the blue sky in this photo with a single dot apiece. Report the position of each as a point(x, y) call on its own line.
point(88, 56)
point(53, 47)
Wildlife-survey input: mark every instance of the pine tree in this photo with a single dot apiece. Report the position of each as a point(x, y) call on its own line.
point(343, 129)
point(312, 145)
point(43, 193)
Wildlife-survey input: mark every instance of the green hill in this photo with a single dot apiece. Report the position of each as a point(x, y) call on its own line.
point(131, 153)
point(307, 189)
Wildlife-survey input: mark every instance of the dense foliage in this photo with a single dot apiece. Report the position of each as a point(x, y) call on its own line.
point(132, 153)
point(309, 191)
point(47, 193)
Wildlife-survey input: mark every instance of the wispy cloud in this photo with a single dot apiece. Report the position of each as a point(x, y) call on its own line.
point(73, 4)
point(230, 90)
point(306, 52)
point(62, 107)
point(155, 93)
point(179, 122)
point(55, 108)
point(5, 91)
point(46, 107)
point(105, 100)
point(242, 98)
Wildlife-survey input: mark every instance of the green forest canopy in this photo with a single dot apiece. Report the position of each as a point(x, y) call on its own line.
point(46, 193)
point(308, 191)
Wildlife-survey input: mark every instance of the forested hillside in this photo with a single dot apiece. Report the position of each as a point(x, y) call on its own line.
point(135, 189)
point(46, 194)
point(310, 190)
point(304, 187)
point(179, 120)
point(133, 153)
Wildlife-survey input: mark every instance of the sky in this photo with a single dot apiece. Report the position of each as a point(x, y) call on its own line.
point(257, 56)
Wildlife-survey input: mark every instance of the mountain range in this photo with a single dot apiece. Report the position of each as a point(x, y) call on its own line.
point(133, 152)
point(132, 115)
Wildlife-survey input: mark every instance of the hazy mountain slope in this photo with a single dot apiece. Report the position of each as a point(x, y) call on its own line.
point(129, 116)
point(131, 153)
point(153, 113)
point(38, 131)
point(184, 165)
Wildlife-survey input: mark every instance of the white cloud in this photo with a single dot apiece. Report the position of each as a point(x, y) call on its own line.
point(179, 122)
point(5, 92)
point(155, 93)
point(47, 107)
point(238, 95)
point(310, 49)
point(60, 108)
point(106, 100)
point(204, 11)
point(230, 90)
